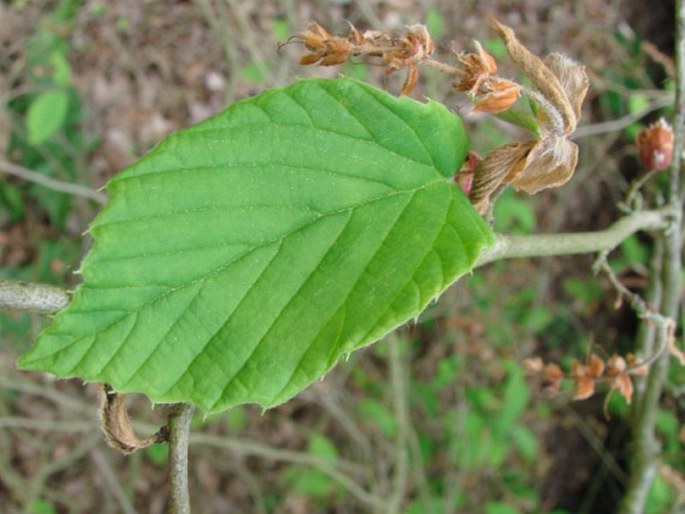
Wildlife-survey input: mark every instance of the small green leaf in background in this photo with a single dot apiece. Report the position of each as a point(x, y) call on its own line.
point(61, 73)
point(375, 412)
point(46, 115)
point(513, 214)
point(42, 507)
point(309, 482)
point(244, 256)
point(321, 446)
point(499, 508)
point(158, 454)
point(280, 29)
point(435, 23)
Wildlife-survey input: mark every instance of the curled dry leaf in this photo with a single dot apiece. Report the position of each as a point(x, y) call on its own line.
point(561, 85)
point(116, 425)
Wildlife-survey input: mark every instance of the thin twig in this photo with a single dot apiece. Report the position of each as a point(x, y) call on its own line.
point(332, 469)
point(621, 123)
point(398, 378)
point(25, 296)
point(51, 183)
point(645, 443)
point(111, 481)
point(179, 434)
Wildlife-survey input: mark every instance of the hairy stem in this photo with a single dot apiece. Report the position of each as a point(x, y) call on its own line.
point(543, 245)
point(179, 433)
point(51, 183)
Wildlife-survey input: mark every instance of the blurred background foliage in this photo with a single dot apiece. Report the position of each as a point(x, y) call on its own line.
point(438, 418)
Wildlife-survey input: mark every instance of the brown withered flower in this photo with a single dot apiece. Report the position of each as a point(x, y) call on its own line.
point(549, 161)
point(478, 67)
point(490, 93)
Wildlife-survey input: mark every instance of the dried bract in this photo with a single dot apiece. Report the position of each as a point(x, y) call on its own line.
point(561, 85)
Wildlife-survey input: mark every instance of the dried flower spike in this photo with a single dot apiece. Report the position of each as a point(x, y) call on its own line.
point(655, 145)
point(395, 52)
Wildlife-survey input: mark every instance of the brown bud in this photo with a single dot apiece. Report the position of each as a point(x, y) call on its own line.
point(655, 145)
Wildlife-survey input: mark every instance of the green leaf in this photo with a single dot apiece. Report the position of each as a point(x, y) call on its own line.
point(435, 23)
point(499, 508)
point(158, 454)
point(46, 115)
point(378, 413)
point(309, 482)
point(241, 258)
point(322, 446)
point(61, 68)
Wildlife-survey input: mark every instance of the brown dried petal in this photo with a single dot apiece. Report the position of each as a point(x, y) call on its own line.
point(311, 58)
point(410, 81)
point(542, 77)
point(596, 366)
point(585, 387)
point(624, 385)
point(502, 95)
point(314, 37)
point(533, 365)
point(334, 59)
point(550, 163)
point(495, 168)
point(616, 365)
point(552, 378)
point(420, 32)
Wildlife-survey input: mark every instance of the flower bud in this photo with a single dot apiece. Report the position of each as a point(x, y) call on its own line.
point(655, 145)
